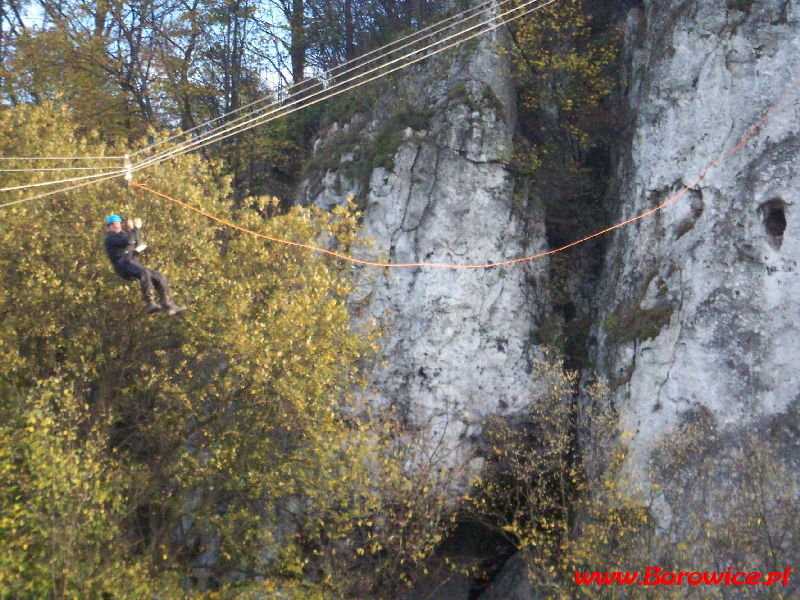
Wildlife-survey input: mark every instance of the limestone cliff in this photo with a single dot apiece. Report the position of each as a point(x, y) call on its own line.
point(694, 312)
point(698, 305)
point(457, 342)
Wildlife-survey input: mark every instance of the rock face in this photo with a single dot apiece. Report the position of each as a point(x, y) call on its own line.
point(513, 583)
point(699, 302)
point(696, 309)
point(457, 346)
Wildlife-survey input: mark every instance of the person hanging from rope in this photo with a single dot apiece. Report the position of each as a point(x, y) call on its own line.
point(123, 248)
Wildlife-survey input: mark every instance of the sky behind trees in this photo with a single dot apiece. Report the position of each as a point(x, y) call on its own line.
point(179, 62)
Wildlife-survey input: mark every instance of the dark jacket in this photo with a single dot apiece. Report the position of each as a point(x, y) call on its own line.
point(119, 247)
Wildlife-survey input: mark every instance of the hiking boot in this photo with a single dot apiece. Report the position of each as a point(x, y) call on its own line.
point(152, 305)
point(174, 309)
point(169, 303)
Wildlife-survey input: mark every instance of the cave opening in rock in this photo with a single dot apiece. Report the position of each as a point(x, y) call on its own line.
point(773, 216)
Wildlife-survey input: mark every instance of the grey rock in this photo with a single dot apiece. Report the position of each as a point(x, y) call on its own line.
point(700, 77)
point(457, 345)
point(512, 583)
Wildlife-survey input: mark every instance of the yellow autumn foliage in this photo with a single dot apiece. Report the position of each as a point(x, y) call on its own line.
point(207, 453)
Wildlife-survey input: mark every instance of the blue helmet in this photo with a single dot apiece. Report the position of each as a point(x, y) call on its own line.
point(113, 219)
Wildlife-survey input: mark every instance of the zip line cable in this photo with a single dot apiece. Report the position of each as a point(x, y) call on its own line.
point(248, 121)
point(748, 134)
point(61, 157)
point(114, 175)
point(306, 101)
point(44, 169)
point(60, 181)
point(300, 103)
point(354, 63)
point(742, 141)
point(339, 70)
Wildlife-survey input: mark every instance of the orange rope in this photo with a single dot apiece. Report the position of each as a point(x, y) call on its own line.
point(513, 261)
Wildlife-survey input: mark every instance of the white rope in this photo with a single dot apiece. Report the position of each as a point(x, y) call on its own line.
point(499, 20)
point(242, 125)
point(212, 136)
point(306, 101)
point(339, 70)
point(58, 181)
point(21, 158)
point(66, 189)
point(45, 169)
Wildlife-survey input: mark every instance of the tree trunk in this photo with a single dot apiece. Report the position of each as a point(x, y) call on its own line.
point(101, 11)
point(236, 61)
point(349, 34)
point(419, 12)
point(297, 51)
point(2, 36)
point(415, 11)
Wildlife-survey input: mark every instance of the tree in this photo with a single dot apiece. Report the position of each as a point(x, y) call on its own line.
point(220, 449)
point(63, 499)
point(565, 67)
point(62, 503)
point(563, 506)
point(731, 492)
point(564, 70)
point(180, 54)
point(283, 29)
point(98, 57)
point(11, 25)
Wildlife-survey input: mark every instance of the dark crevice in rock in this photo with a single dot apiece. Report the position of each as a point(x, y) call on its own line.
point(773, 217)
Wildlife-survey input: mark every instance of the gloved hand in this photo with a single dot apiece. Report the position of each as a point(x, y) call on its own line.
point(137, 222)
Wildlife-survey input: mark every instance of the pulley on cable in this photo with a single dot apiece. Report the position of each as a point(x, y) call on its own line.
point(138, 228)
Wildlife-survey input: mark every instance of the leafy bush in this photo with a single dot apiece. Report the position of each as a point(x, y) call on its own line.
point(559, 503)
point(220, 451)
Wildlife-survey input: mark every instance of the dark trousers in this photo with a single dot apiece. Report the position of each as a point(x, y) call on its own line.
point(133, 271)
